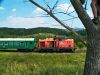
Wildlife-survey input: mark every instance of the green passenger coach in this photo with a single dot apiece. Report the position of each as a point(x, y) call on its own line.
point(17, 43)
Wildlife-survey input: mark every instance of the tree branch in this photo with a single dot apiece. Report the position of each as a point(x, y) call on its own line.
point(84, 17)
point(55, 5)
point(47, 5)
point(68, 14)
point(62, 24)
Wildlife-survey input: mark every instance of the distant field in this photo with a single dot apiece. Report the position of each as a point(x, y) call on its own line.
point(23, 63)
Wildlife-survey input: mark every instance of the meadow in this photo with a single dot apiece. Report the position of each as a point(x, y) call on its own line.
point(23, 63)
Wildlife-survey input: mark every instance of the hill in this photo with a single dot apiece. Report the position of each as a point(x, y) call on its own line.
point(14, 32)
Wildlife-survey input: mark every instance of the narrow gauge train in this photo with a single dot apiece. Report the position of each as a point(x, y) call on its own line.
point(29, 44)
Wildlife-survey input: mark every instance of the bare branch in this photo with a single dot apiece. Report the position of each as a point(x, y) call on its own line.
point(69, 14)
point(48, 5)
point(55, 5)
point(87, 22)
point(68, 8)
point(70, 19)
point(62, 24)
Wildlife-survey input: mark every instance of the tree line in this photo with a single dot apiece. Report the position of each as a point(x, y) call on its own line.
point(15, 32)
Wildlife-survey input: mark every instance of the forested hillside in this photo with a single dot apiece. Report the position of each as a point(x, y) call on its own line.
point(20, 32)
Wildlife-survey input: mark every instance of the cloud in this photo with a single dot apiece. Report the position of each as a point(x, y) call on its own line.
point(29, 22)
point(22, 22)
point(38, 10)
point(65, 7)
point(13, 10)
point(1, 8)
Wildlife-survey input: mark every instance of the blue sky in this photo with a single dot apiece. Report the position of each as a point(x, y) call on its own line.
point(21, 14)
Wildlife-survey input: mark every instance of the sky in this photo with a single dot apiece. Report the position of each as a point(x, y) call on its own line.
point(23, 14)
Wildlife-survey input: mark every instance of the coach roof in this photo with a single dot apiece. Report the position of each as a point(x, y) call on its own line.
point(16, 39)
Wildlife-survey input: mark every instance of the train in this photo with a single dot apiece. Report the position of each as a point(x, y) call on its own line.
point(59, 43)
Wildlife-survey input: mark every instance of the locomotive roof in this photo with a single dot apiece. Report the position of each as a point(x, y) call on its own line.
point(16, 39)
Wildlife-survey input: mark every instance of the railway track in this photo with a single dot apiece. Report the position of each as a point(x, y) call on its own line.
point(3, 50)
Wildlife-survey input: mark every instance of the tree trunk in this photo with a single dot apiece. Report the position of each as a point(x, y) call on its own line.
point(82, 1)
point(92, 63)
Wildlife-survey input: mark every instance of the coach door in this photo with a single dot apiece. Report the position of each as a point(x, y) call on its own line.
point(26, 44)
point(22, 45)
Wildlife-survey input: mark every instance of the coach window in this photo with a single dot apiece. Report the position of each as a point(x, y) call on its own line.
point(11, 43)
point(21, 43)
point(16, 43)
point(1, 43)
point(6, 43)
point(31, 43)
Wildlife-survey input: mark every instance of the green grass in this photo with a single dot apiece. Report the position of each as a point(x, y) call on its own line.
point(16, 63)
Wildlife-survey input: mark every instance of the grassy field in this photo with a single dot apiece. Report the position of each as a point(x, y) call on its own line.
point(22, 63)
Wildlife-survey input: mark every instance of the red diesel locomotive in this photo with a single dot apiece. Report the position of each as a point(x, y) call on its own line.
point(59, 43)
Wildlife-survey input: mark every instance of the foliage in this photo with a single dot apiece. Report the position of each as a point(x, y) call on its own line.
point(13, 32)
point(24, 32)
